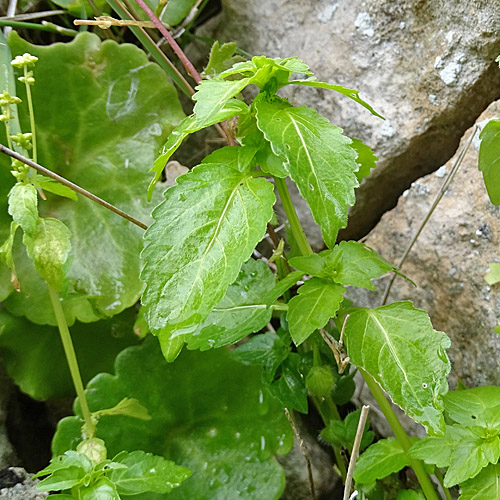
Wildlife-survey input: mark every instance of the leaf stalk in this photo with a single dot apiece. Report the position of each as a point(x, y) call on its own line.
point(69, 351)
point(401, 436)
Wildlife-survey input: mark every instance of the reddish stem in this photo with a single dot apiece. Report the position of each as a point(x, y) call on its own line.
point(170, 39)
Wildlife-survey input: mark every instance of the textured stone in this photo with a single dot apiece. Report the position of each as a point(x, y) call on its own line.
point(19, 485)
point(448, 262)
point(428, 66)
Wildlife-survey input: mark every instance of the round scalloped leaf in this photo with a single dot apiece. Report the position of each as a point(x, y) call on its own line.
point(102, 111)
point(209, 414)
point(34, 358)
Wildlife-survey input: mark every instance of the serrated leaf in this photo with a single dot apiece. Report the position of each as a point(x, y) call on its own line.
point(110, 121)
point(213, 95)
point(351, 93)
point(343, 433)
point(23, 206)
point(489, 159)
point(205, 229)
point(349, 263)
point(70, 459)
point(146, 472)
point(316, 302)
point(209, 414)
point(48, 246)
point(493, 275)
point(397, 345)
point(55, 187)
point(102, 489)
point(318, 157)
point(471, 407)
point(379, 460)
point(25, 348)
point(62, 479)
point(221, 58)
point(239, 158)
point(189, 125)
point(485, 485)
point(241, 312)
point(366, 159)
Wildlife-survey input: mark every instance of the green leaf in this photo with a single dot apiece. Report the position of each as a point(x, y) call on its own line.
point(102, 489)
point(176, 11)
point(317, 301)
point(290, 388)
point(485, 485)
point(62, 479)
point(493, 276)
point(205, 229)
point(209, 414)
point(212, 97)
point(473, 407)
point(146, 472)
point(497, 329)
point(221, 58)
point(319, 159)
point(127, 406)
point(114, 110)
point(6, 248)
point(379, 460)
point(351, 93)
point(26, 347)
point(397, 345)
point(48, 245)
point(8, 83)
point(489, 159)
point(241, 312)
point(239, 158)
point(348, 263)
point(366, 159)
point(55, 187)
point(70, 459)
point(460, 450)
point(343, 432)
point(283, 285)
point(23, 206)
point(356, 264)
point(189, 125)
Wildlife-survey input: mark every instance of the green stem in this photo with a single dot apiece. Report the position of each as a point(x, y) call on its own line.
point(440, 478)
point(69, 350)
point(293, 219)
point(328, 411)
point(401, 436)
point(32, 114)
point(41, 27)
point(7, 131)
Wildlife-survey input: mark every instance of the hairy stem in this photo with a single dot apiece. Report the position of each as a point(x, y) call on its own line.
point(293, 219)
point(401, 436)
point(69, 351)
point(71, 185)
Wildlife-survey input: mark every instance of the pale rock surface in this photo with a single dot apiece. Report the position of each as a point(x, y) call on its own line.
point(448, 262)
point(427, 66)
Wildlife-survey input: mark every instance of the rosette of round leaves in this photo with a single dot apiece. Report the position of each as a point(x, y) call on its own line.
point(209, 413)
point(102, 111)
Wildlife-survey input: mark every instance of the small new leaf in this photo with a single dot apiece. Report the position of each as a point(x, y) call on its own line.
point(317, 301)
point(48, 246)
point(489, 159)
point(397, 345)
point(23, 206)
point(146, 472)
point(493, 276)
point(366, 159)
point(221, 58)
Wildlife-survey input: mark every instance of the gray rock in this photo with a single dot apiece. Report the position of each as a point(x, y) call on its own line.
point(428, 66)
point(448, 263)
point(21, 486)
